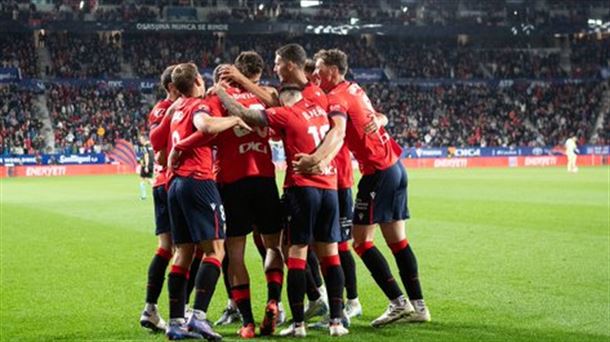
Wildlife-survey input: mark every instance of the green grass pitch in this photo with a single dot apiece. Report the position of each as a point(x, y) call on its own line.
point(504, 254)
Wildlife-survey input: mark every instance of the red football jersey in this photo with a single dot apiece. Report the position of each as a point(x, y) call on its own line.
point(343, 160)
point(345, 171)
point(154, 119)
point(374, 151)
point(315, 94)
point(302, 128)
point(242, 153)
point(197, 162)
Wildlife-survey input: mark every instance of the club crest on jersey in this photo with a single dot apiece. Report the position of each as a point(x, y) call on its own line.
point(177, 116)
point(157, 113)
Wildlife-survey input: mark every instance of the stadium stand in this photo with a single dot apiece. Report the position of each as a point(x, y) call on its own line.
point(449, 111)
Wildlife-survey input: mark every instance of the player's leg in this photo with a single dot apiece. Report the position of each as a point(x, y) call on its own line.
point(230, 313)
point(178, 195)
point(297, 261)
point(190, 286)
point(260, 244)
point(395, 236)
point(142, 186)
point(205, 285)
point(394, 233)
point(240, 283)
point(326, 234)
point(206, 226)
point(346, 214)
point(274, 274)
point(371, 203)
point(317, 304)
point(301, 205)
point(265, 202)
point(150, 317)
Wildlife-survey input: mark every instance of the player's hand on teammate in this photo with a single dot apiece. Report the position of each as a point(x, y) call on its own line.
point(173, 160)
point(161, 157)
point(373, 125)
point(231, 73)
point(306, 163)
point(241, 123)
point(220, 84)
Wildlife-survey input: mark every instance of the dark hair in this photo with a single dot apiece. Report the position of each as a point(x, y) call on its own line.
point(249, 63)
point(166, 77)
point(293, 53)
point(310, 66)
point(289, 87)
point(333, 57)
point(184, 76)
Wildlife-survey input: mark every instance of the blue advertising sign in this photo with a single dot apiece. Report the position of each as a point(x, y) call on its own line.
point(9, 75)
point(54, 159)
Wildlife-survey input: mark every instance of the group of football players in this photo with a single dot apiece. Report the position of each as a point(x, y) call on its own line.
point(217, 185)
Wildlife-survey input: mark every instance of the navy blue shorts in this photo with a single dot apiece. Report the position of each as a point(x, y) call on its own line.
point(313, 214)
point(346, 213)
point(252, 202)
point(162, 224)
point(382, 196)
point(195, 211)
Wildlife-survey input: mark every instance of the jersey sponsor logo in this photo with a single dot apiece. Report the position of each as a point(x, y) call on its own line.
point(253, 146)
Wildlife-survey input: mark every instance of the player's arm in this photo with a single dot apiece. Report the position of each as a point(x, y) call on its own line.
point(159, 133)
point(211, 126)
point(265, 94)
point(378, 120)
point(326, 152)
point(196, 139)
point(252, 116)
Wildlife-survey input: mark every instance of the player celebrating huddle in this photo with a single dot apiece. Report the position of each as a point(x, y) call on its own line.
point(156, 271)
point(381, 197)
point(196, 211)
point(250, 196)
point(311, 200)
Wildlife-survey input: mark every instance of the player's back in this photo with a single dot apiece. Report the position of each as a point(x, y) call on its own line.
point(313, 93)
point(302, 128)
point(197, 162)
point(242, 153)
point(373, 151)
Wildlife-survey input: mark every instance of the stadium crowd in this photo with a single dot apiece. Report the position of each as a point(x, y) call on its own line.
point(17, 51)
point(79, 56)
point(95, 55)
point(481, 115)
point(20, 125)
point(89, 119)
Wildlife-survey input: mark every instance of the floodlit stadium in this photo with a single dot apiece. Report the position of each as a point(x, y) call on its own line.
point(405, 170)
